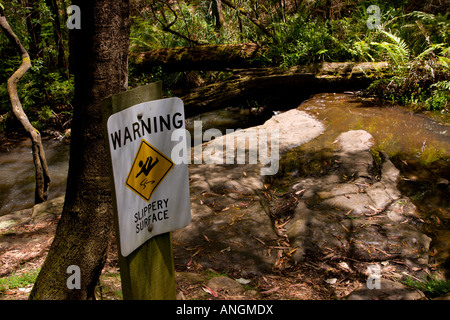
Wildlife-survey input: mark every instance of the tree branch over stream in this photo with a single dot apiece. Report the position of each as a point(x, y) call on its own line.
point(40, 162)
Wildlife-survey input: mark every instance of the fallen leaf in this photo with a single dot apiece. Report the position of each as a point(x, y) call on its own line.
point(243, 281)
point(210, 291)
point(238, 243)
point(331, 280)
point(271, 290)
point(226, 249)
point(344, 265)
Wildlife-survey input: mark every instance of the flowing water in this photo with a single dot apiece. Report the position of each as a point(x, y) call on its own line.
point(17, 177)
point(417, 145)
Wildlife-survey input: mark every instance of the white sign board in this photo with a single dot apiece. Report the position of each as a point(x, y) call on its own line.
point(152, 192)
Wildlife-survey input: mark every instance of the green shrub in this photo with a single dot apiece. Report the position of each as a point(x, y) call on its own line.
point(15, 281)
point(431, 286)
point(419, 67)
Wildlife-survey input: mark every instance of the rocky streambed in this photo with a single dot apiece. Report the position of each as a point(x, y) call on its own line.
point(343, 216)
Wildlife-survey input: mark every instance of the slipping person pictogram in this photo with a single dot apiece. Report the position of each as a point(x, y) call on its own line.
point(147, 167)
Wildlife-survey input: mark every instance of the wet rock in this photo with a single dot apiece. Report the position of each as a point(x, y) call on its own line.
point(355, 141)
point(232, 239)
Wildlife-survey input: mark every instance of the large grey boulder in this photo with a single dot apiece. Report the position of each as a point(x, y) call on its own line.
point(230, 227)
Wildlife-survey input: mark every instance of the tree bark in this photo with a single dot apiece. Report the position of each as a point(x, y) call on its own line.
point(34, 28)
point(218, 15)
point(62, 62)
point(203, 57)
point(41, 169)
point(99, 62)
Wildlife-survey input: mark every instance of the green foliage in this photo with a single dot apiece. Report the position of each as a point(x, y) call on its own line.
point(45, 91)
point(301, 32)
point(440, 96)
point(432, 287)
point(301, 41)
point(15, 281)
point(42, 94)
point(419, 60)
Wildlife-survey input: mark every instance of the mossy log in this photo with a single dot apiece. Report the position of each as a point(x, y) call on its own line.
point(203, 57)
point(280, 85)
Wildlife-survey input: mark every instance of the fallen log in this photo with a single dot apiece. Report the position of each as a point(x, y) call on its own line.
point(202, 57)
point(281, 86)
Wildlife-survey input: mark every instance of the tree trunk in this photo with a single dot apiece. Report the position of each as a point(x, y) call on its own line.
point(62, 62)
point(203, 57)
point(99, 61)
point(218, 15)
point(34, 27)
point(41, 169)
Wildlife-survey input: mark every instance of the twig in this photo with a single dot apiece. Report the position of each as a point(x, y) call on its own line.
point(166, 27)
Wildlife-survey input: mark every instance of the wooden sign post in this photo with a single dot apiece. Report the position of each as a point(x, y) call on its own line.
point(150, 192)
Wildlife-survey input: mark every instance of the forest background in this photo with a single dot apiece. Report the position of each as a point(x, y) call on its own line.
point(412, 35)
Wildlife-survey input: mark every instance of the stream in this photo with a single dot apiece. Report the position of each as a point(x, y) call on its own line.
point(417, 145)
point(17, 183)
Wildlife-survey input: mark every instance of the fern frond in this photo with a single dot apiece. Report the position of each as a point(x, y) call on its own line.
point(431, 49)
point(444, 62)
point(442, 85)
point(400, 43)
point(362, 49)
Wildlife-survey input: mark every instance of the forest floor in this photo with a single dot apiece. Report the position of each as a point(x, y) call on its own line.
point(23, 248)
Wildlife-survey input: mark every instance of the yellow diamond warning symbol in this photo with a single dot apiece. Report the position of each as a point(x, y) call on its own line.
point(150, 167)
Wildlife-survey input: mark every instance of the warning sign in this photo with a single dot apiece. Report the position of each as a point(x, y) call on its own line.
point(151, 180)
point(149, 168)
